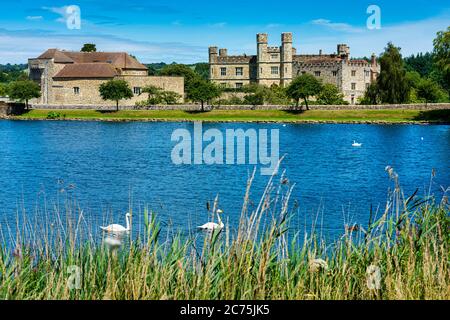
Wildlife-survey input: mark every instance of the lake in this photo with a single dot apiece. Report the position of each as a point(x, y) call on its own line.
point(106, 167)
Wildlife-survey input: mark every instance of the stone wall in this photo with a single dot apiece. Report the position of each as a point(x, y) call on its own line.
point(430, 106)
point(63, 90)
point(11, 108)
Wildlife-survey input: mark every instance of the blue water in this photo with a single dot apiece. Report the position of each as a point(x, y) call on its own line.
point(108, 167)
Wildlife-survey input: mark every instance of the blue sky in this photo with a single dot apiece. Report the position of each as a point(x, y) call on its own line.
point(181, 31)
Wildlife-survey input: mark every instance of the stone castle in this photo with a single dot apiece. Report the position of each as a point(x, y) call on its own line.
point(279, 65)
point(73, 78)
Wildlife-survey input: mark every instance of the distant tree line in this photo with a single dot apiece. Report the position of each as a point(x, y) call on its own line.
point(420, 78)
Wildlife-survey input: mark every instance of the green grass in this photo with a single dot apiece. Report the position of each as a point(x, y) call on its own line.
point(391, 116)
point(409, 242)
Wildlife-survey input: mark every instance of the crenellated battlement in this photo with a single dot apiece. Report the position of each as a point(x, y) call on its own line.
point(279, 65)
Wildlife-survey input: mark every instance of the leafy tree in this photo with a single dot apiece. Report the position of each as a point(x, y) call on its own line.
point(203, 91)
point(3, 90)
point(153, 94)
point(115, 90)
point(202, 69)
point(371, 96)
point(392, 84)
point(303, 87)
point(428, 90)
point(413, 78)
point(169, 97)
point(13, 72)
point(24, 90)
point(330, 94)
point(442, 56)
point(89, 47)
point(256, 99)
point(422, 63)
point(190, 77)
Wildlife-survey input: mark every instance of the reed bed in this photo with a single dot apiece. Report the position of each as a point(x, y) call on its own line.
point(401, 253)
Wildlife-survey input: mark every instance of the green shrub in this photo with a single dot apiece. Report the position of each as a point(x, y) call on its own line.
point(53, 115)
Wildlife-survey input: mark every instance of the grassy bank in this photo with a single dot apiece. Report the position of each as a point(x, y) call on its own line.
point(403, 253)
point(344, 116)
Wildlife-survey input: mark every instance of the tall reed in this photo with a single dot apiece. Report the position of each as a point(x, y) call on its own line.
point(403, 254)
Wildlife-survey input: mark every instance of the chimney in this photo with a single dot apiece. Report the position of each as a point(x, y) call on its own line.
point(223, 52)
point(212, 54)
point(373, 60)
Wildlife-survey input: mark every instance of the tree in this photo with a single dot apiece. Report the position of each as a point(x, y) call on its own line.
point(169, 97)
point(115, 90)
point(442, 56)
point(203, 91)
point(255, 99)
point(372, 95)
point(392, 84)
point(421, 63)
point(89, 47)
point(330, 94)
point(24, 90)
point(428, 90)
point(202, 69)
point(190, 77)
point(153, 94)
point(303, 87)
point(3, 90)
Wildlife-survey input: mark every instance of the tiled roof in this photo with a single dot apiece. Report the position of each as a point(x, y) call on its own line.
point(121, 60)
point(87, 70)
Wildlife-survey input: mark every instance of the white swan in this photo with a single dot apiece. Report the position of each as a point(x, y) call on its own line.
point(210, 226)
point(112, 242)
point(117, 228)
point(356, 144)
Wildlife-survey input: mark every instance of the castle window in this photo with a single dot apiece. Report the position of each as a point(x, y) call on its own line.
point(274, 70)
point(137, 90)
point(239, 85)
point(367, 72)
point(239, 71)
point(223, 71)
point(76, 90)
point(334, 73)
point(317, 73)
point(274, 56)
point(353, 86)
point(353, 73)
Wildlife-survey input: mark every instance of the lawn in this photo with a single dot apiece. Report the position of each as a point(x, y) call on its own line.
point(394, 116)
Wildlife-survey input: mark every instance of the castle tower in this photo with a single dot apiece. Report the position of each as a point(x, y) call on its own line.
point(286, 58)
point(213, 51)
point(223, 52)
point(343, 50)
point(262, 56)
point(212, 54)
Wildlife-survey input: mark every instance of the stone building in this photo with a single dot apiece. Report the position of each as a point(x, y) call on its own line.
point(279, 65)
point(73, 78)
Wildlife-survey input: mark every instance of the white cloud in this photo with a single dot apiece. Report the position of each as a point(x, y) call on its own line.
point(18, 46)
point(34, 18)
point(412, 37)
point(338, 26)
point(273, 25)
point(218, 25)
